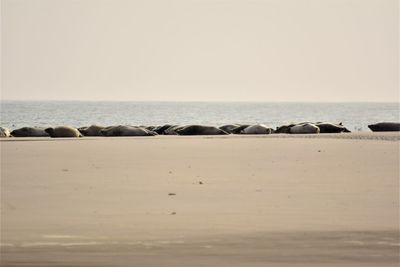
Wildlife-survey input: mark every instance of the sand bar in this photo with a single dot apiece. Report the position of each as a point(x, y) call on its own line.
point(321, 200)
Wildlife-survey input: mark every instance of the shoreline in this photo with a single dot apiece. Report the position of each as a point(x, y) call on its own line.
point(383, 136)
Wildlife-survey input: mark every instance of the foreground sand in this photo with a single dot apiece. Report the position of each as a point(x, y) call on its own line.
point(327, 200)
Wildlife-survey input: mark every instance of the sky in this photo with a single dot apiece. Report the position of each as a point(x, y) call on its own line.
point(200, 50)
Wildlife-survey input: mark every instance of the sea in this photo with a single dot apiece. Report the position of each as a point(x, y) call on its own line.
point(355, 116)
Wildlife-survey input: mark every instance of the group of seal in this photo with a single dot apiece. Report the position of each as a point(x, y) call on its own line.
point(309, 127)
point(192, 129)
point(61, 131)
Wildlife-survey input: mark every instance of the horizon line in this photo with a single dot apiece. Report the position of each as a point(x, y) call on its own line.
point(196, 101)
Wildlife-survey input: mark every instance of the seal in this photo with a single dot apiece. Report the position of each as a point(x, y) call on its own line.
point(229, 127)
point(284, 128)
point(385, 127)
point(257, 129)
point(4, 132)
point(150, 128)
point(125, 130)
point(304, 128)
point(239, 129)
point(29, 132)
point(328, 127)
point(162, 129)
point(93, 130)
point(200, 130)
point(63, 131)
point(172, 130)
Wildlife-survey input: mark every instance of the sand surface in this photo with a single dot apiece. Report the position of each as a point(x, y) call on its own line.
point(326, 200)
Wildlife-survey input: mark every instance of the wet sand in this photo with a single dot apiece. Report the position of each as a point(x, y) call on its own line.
point(321, 200)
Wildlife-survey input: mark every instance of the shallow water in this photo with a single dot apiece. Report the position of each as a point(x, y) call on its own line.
point(355, 116)
point(330, 248)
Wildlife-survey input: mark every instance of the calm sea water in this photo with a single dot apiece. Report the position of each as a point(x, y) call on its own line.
point(356, 116)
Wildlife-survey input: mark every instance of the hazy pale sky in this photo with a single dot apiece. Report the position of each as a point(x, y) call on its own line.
point(218, 50)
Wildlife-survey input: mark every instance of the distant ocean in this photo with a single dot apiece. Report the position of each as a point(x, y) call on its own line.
point(355, 116)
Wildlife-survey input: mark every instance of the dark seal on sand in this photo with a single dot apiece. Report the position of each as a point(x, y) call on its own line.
point(385, 127)
point(29, 132)
point(63, 131)
point(123, 130)
point(200, 130)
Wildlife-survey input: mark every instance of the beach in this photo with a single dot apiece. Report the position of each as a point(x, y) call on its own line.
point(277, 200)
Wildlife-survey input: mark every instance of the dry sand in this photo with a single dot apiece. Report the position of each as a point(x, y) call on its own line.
point(326, 200)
